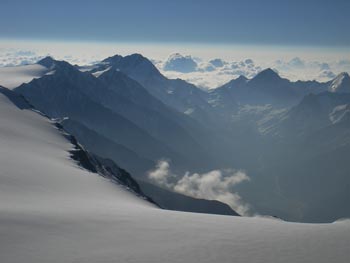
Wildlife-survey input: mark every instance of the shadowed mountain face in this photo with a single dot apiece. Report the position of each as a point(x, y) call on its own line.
point(306, 165)
point(176, 93)
point(269, 88)
point(119, 109)
point(105, 167)
point(103, 146)
point(130, 99)
point(288, 136)
point(62, 94)
point(313, 113)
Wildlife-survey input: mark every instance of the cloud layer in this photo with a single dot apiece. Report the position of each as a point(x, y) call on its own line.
point(13, 57)
point(16, 57)
point(205, 73)
point(179, 63)
point(216, 72)
point(214, 185)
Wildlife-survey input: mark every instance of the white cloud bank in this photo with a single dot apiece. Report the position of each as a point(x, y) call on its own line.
point(214, 185)
point(199, 68)
point(206, 74)
point(17, 57)
point(179, 63)
point(216, 72)
point(14, 57)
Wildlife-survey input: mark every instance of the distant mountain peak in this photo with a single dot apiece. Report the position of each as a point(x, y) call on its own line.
point(268, 73)
point(59, 67)
point(241, 78)
point(344, 74)
point(137, 58)
point(267, 76)
point(112, 59)
point(47, 62)
point(237, 81)
point(136, 55)
point(130, 60)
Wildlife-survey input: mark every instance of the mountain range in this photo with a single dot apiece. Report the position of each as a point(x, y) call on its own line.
point(290, 137)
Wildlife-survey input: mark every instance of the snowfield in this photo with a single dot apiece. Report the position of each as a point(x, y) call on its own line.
point(51, 210)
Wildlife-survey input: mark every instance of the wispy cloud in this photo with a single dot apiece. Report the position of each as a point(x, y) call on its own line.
point(161, 174)
point(213, 185)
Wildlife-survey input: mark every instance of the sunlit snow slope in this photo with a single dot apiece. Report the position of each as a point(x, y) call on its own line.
point(51, 210)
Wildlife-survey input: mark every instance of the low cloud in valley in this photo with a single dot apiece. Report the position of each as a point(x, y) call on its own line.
point(213, 185)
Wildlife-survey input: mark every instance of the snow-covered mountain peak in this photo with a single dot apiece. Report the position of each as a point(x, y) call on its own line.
point(341, 83)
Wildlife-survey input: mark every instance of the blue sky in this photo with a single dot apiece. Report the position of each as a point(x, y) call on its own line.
point(255, 22)
point(273, 33)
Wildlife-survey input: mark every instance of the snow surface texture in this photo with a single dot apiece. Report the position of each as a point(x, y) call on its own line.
point(51, 210)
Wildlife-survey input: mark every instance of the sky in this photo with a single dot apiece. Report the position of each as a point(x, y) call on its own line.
point(273, 33)
point(294, 22)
